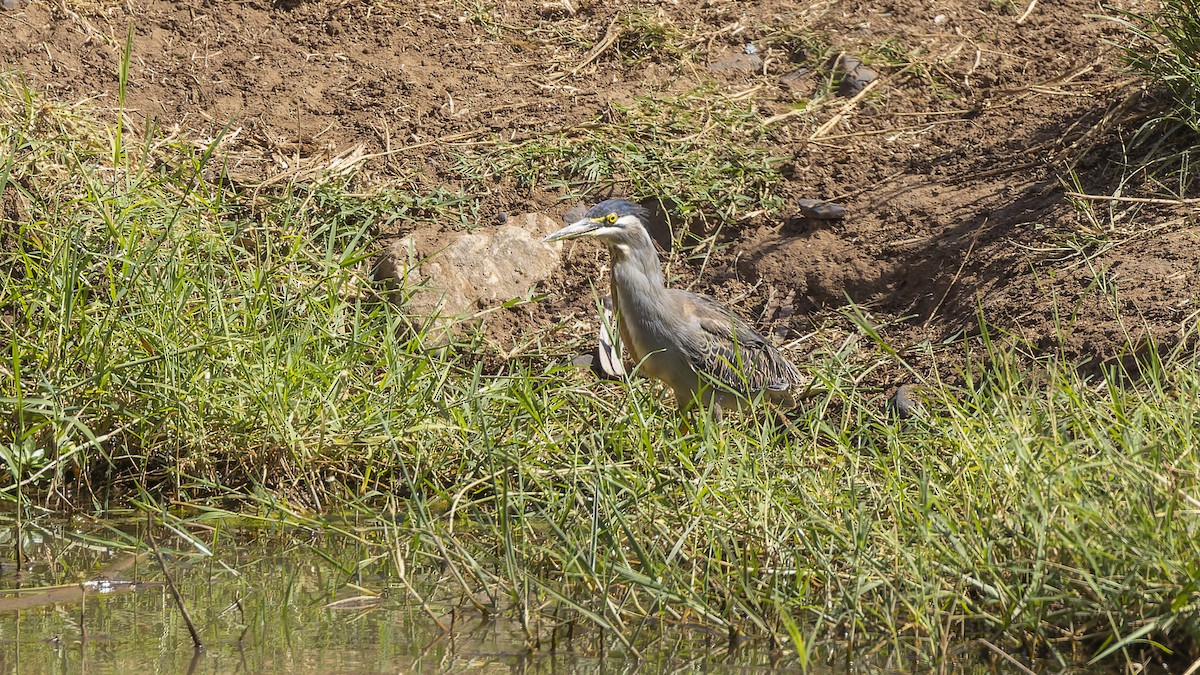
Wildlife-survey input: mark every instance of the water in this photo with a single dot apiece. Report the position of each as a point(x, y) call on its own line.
point(91, 598)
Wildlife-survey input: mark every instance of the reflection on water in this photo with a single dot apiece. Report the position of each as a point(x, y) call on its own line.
point(90, 599)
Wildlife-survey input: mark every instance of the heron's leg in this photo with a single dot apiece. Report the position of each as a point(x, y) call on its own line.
point(685, 404)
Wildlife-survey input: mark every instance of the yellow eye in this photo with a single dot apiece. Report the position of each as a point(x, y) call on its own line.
point(610, 218)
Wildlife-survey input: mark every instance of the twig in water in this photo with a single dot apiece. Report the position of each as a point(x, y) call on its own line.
point(245, 626)
point(187, 619)
point(401, 570)
point(1007, 657)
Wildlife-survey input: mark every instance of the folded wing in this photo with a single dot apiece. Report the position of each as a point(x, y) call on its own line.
point(725, 347)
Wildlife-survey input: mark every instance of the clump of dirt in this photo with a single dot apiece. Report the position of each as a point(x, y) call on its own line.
point(951, 163)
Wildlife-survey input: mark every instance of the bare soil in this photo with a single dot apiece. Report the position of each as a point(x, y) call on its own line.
point(954, 168)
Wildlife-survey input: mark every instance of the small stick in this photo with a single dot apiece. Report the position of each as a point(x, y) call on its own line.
point(609, 39)
point(1114, 115)
point(1135, 200)
point(851, 104)
point(1195, 503)
point(783, 116)
point(841, 114)
point(196, 643)
point(895, 130)
point(1028, 11)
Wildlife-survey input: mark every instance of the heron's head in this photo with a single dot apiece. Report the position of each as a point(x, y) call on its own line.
point(613, 221)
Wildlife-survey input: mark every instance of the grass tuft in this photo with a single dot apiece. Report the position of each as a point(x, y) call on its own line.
point(693, 152)
point(1167, 52)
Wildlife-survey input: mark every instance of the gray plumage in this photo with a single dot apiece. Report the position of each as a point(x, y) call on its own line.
point(694, 344)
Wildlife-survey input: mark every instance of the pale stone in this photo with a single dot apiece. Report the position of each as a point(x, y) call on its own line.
point(452, 280)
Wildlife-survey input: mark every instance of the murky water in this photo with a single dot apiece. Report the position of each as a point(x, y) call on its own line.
point(90, 598)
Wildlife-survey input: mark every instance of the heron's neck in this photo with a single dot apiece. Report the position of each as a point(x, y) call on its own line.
point(635, 266)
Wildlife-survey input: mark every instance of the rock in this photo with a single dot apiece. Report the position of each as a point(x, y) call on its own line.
point(586, 361)
point(821, 210)
point(795, 79)
point(442, 282)
point(851, 84)
point(737, 63)
point(855, 75)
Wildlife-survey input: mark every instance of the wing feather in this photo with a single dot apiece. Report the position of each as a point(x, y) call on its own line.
point(724, 346)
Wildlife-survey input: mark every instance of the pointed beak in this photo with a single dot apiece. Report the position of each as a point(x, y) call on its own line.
point(579, 228)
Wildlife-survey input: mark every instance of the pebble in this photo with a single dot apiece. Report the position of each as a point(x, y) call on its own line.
point(855, 76)
point(11, 4)
point(821, 210)
point(795, 79)
point(750, 49)
point(501, 217)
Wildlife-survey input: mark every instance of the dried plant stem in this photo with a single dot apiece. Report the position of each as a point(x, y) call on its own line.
point(197, 644)
point(1135, 200)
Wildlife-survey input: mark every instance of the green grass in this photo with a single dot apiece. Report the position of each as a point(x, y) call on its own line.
point(696, 153)
point(173, 339)
point(645, 36)
point(1167, 53)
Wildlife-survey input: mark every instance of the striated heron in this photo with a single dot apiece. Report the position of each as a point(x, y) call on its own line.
point(700, 348)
